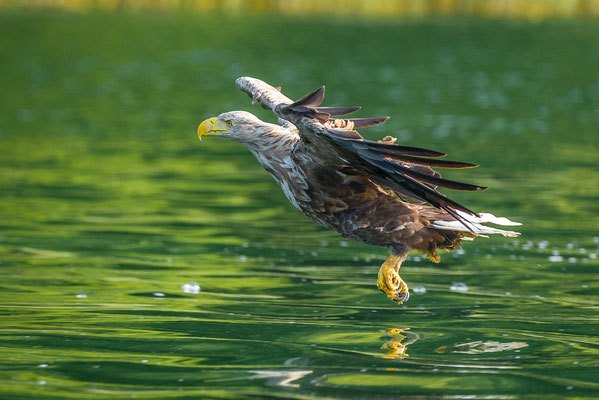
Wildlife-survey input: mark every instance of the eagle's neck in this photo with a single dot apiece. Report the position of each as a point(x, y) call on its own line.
point(273, 148)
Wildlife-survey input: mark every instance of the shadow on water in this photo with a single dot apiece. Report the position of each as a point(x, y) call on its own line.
point(135, 262)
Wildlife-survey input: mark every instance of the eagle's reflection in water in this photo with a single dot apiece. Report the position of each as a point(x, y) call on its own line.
point(398, 343)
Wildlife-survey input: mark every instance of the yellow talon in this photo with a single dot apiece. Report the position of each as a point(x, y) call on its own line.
point(390, 282)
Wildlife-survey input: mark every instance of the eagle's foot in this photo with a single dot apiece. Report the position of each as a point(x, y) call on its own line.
point(389, 281)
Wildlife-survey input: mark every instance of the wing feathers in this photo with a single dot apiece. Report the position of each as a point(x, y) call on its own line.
point(397, 150)
point(338, 110)
point(399, 168)
point(312, 99)
point(393, 167)
point(430, 163)
point(414, 189)
point(433, 180)
point(365, 122)
point(343, 134)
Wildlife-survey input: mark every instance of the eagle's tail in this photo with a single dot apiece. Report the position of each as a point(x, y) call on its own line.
point(477, 225)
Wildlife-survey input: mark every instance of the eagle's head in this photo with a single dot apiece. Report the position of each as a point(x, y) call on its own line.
point(240, 126)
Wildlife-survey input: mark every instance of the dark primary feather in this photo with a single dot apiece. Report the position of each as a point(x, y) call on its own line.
point(312, 99)
point(394, 167)
point(394, 149)
point(338, 110)
point(308, 104)
point(431, 163)
point(342, 134)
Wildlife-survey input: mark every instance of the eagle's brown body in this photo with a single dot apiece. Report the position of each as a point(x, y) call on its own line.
point(355, 186)
point(339, 197)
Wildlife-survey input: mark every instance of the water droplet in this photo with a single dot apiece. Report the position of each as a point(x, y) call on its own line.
point(42, 365)
point(81, 296)
point(158, 294)
point(555, 258)
point(419, 290)
point(458, 287)
point(191, 287)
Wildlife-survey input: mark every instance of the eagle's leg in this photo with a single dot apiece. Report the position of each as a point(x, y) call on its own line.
point(389, 280)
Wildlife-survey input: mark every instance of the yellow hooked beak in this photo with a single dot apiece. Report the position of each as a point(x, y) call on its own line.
point(211, 127)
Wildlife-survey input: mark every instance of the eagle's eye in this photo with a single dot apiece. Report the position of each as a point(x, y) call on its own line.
point(229, 122)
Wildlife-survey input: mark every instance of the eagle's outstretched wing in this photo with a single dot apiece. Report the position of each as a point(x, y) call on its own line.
point(405, 170)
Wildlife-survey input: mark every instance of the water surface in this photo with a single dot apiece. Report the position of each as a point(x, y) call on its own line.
point(136, 261)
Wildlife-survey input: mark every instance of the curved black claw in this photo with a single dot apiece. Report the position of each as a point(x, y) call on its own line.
point(402, 298)
point(402, 294)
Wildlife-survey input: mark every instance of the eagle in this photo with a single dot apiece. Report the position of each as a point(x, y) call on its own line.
point(376, 192)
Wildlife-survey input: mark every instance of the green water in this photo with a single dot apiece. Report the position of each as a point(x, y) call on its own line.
point(109, 205)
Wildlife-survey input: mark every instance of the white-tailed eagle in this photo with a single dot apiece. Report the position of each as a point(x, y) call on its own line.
point(375, 192)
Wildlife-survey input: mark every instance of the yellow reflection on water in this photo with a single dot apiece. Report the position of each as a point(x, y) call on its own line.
point(398, 343)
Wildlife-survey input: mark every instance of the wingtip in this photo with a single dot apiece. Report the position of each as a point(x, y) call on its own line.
point(321, 89)
point(312, 99)
point(468, 165)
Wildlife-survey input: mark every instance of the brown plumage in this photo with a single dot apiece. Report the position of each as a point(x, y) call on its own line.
point(375, 192)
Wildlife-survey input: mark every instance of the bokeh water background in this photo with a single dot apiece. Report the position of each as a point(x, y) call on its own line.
point(137, 262)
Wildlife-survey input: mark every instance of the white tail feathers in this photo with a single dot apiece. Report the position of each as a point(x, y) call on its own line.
point(476, 225)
